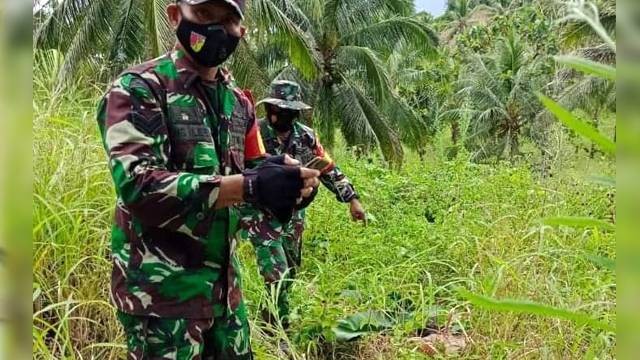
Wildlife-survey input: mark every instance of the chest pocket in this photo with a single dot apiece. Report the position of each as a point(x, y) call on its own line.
point(192, 146)
point(303, 150)
point(304, 155)
point(272, 146)
point(237, 135)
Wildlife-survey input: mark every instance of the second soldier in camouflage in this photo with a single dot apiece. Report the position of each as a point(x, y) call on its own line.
point(278, 247)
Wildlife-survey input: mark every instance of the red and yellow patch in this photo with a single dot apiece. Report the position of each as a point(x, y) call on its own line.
point(197, 41)
point(253, 145)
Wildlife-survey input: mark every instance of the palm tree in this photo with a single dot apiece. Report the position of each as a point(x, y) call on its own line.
point(462, 14)
point(103, 34)
point(447, 107)
point(499, 93)
point(108, 35)
point(410, 79)
point(427, 84)
point(343, 66)
point(335, 46)
point(593, 95)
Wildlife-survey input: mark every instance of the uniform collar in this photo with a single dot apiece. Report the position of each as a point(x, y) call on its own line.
point(185, 66)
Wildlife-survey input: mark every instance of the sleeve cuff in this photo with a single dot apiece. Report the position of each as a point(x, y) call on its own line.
point(250, 186)
point(350, 197)
point(209, 189)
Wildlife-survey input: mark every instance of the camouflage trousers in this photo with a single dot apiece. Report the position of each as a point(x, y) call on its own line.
point(278, 251)
point(220, 338)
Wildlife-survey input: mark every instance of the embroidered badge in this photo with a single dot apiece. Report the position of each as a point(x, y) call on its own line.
point(197, 41)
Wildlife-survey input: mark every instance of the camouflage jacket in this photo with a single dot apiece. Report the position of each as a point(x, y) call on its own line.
point(169, 136)
point(303, 145)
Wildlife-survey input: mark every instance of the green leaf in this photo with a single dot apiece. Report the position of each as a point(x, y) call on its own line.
point(37, 291)
point(528, 307)
point(603, 180)
point(354, 326)
point(602, 261)
point(579, 222)
point(588, 67)
point(578, 126)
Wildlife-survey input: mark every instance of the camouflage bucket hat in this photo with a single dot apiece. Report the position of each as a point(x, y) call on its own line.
point(238, 5)
point(287, 95)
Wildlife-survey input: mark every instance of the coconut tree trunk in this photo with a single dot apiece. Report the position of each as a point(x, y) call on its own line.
point(514, 147)
point(593, 150)
point(455, 132)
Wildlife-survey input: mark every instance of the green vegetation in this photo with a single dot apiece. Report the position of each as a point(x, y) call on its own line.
point(485, 161)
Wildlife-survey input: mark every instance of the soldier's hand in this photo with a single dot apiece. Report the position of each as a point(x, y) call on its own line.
point(309, 176)
point(357, 211)
point(288, 160)
point(310, 181)
point(277, 184)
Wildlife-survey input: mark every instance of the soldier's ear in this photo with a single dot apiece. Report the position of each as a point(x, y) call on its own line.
point(174, 15)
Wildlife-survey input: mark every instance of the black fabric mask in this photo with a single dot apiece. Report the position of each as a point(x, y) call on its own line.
point(284, 119)
point(208, 44)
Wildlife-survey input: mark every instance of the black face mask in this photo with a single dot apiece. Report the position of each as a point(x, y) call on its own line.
point(208, 44)
point(284, 119)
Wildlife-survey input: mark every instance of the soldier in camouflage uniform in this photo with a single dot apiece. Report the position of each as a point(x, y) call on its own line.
point(178, 134)
point(278, 246)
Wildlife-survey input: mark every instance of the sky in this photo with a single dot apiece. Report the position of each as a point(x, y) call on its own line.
point(435, 7)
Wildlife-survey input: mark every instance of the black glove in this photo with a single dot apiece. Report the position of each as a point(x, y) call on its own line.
point(274, 187)
point(308, 200)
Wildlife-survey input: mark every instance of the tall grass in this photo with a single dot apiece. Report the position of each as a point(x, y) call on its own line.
point(435, 226)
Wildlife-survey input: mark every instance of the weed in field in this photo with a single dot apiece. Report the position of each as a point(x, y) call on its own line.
point(435, 226)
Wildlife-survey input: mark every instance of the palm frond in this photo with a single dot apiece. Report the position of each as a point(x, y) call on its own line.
point(385, 33)
point(325, 114)
point(295, 14)
point(599, 53)
point(299, 45)
point(248, 70)
point(511, 54)
point(364, 123)
point(160, 36)
point(400, 7)
point(413, 129)
point(587, 93)
point(464, 16)
point(56, 22)
point(94, 31)
point(351, 14)
point(313, 9)
point(127, 39)
point(365, 64)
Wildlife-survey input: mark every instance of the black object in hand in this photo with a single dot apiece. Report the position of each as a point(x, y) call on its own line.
point(274, 187)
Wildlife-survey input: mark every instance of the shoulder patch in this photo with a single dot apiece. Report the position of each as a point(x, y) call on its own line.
point(249, 96)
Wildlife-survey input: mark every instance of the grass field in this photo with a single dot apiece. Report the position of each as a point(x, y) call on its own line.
point(435, 226)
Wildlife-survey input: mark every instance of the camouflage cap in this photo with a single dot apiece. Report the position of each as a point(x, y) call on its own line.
point(238, 5)
point(287, 95)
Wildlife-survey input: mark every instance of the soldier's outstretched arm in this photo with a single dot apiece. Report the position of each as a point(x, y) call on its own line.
point(338, 183)
point(334, 180)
